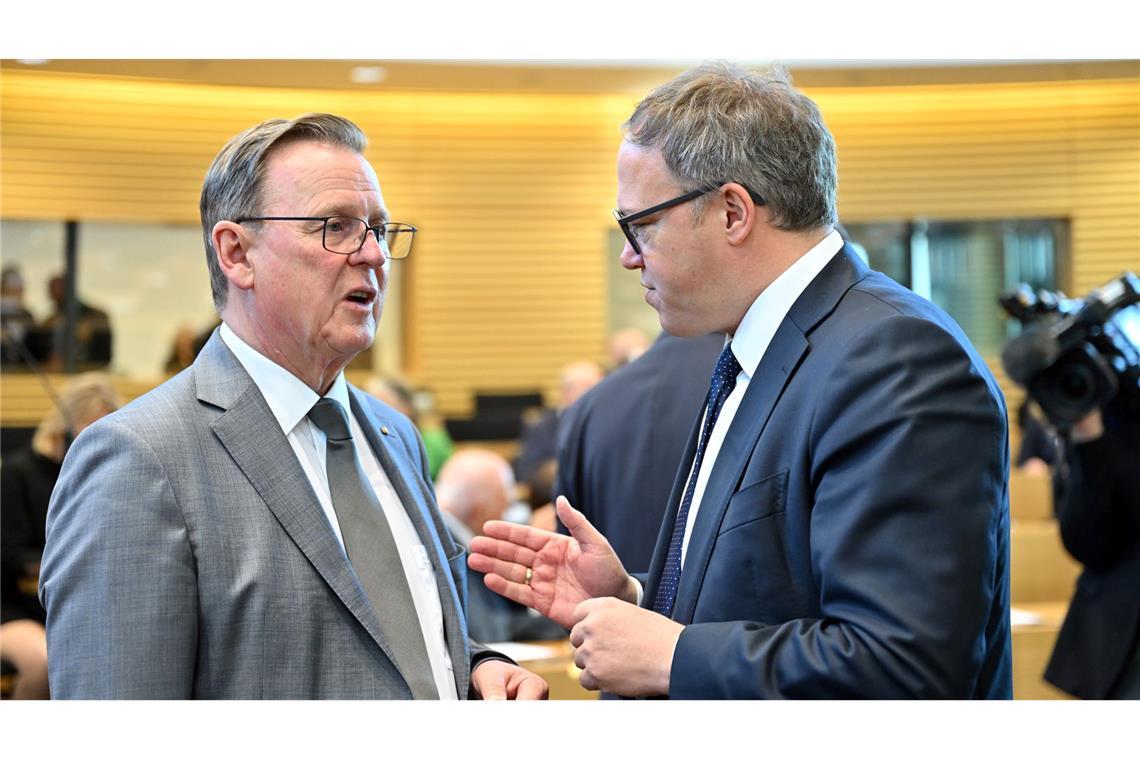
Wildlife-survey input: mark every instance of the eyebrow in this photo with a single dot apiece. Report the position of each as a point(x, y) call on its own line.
point(380, 218)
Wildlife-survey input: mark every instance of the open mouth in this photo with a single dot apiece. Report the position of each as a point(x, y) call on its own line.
point(362, 297)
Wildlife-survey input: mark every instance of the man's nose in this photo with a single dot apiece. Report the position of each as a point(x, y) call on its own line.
point(374, 251)
point(630, 259)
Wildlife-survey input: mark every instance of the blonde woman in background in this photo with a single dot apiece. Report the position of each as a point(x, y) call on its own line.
point(26, 481)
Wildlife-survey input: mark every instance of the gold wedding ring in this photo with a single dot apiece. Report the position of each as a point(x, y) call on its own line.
point(529, 575)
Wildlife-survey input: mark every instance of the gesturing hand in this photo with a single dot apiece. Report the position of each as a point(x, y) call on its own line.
point(565, 570)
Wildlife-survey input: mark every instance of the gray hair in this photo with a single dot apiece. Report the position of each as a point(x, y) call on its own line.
point(722, 123)
point(233, 185)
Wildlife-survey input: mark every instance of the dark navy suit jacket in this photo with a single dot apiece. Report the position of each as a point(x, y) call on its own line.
point(853, 539)
point(620, 444)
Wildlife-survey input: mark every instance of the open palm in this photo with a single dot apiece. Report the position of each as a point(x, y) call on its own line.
point(565, 570)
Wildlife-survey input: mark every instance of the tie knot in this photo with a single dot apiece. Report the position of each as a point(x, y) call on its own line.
point(329, 416)
point(727, 368)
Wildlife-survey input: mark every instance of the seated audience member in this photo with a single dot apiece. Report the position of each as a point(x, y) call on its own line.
point(475, 486)
point(419, 407)
point(182, 351)
point(625, 345)
point(26, 481)
point(93, 337)
point(187, 345)
point(539, 436)
point(16, 321)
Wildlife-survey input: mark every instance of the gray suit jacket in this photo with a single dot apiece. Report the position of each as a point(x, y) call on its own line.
point(188, 556)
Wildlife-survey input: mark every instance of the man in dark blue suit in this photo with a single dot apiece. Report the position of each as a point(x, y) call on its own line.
point(839, 525)
point(620, 444)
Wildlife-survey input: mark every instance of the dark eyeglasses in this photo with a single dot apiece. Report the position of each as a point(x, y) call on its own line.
point(345, 235)
point(630, 232)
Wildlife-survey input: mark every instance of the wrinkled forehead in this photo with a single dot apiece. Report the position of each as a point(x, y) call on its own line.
point(322, 176)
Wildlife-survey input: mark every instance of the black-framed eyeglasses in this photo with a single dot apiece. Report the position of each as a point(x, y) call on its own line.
point(345, 235)
point(626, 222)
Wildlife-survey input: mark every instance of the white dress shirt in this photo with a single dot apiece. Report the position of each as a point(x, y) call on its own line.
point(751, 340)
point(290, 400)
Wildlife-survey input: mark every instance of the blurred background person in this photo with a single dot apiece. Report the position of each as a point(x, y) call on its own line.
point(538, 440)
point(182, 351)
point(419, 407)
point(540, 496)
point(474, 486)
point(1097, 655)
point(186, 346)
point(26, 481)
point(625, 345)
point(15, 319)
point(93, 336)
point(620, 445)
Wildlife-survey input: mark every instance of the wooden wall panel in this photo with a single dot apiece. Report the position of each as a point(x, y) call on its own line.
point(511, 193)
point(512, 190)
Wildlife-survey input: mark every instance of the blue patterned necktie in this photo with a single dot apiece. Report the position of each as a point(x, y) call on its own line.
point(723, 381)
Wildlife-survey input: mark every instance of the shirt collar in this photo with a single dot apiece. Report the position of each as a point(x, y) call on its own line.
point(770, 308)
point(289, 399)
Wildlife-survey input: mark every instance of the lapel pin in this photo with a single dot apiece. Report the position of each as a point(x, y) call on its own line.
point(384, 430)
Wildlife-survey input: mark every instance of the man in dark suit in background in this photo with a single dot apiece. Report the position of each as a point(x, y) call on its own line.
point(620, 444)
point(840, 523)
point(538, 438)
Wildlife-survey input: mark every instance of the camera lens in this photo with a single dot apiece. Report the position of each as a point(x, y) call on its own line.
point(1076, 384)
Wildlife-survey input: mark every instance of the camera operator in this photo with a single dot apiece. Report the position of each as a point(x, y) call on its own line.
point(1079, 360)
point(1097, 655)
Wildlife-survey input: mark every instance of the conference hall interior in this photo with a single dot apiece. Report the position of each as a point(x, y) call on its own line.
point(960, 180)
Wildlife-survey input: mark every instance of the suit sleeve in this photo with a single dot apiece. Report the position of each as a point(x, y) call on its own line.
point(908, 467)
point(118, 576)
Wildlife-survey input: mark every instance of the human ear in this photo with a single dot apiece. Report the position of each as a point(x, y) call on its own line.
point(231, 247)
point(741, 213)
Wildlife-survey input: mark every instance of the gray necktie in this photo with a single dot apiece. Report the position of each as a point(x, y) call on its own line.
point(372, 550)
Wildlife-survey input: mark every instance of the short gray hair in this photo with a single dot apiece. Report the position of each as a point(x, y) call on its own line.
point(233, 185)
point(722, 123)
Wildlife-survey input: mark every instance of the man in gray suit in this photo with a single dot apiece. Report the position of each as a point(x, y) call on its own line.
point(256, 527)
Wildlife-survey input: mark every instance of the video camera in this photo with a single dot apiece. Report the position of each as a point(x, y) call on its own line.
point(1077, 355)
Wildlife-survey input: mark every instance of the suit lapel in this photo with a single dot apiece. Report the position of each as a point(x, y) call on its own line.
point(412, 491)
point(778, 365)
point(776, 368)
point(251, 435)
